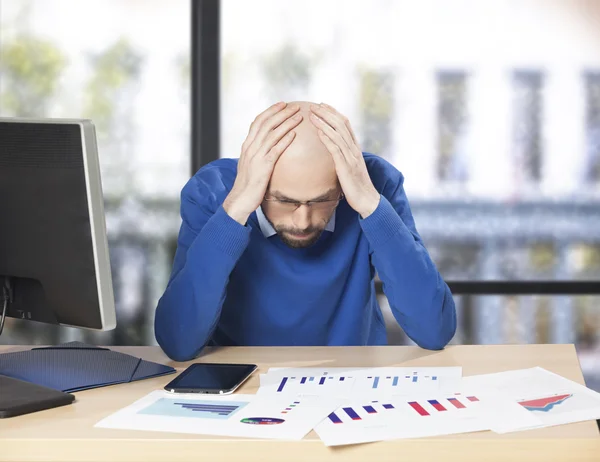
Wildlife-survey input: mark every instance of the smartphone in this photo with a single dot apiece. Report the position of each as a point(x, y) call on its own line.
point(211, 378)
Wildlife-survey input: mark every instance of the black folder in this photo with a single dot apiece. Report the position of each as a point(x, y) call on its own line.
point(18, 397)
point(76, 366)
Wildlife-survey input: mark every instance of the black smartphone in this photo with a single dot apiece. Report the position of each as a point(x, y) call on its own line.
point(211, 378)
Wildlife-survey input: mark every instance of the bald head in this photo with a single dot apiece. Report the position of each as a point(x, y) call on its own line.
point(306, 168)
point(304, 172)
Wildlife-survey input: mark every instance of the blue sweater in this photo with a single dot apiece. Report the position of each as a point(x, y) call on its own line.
point(230, 285)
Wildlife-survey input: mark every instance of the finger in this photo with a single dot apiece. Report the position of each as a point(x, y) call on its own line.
point(347, 122)
point(275, 152)
point(271, 123)
point(258, 121)
point(275, 135)
point(333, 148)
point(336, 120)
point(332, 134)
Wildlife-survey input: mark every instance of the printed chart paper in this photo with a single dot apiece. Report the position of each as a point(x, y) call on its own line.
point(550, 398)
point(285, 417)
point(363, 383)
point(377, 420)
point(415, 417)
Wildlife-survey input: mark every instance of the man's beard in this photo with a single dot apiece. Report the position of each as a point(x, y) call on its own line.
point(290, 241)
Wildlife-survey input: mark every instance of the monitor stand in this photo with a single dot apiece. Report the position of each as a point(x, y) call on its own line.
point(19, 397)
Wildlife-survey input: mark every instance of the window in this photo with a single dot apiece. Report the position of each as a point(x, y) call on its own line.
point(527, 127)
point(377, 107)
point(592, 126)
point(124, 64)
point(452, 126)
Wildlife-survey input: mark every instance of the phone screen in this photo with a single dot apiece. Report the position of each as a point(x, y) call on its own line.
point(212, 376)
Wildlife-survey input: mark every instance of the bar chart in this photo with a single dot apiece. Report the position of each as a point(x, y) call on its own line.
point(203, 409)
point(324, 384)
point(290, 407)
point(396, 380)
point(428, 407)
point(372, 383)
point(349, 414)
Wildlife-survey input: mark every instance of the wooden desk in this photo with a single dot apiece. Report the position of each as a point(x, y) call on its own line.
point(67, 433)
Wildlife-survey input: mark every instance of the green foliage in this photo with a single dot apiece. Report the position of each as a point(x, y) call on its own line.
point(287, 67)
point(114, 68)
point(31, 68)
point(376, 106)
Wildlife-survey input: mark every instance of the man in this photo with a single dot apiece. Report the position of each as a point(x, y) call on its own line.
point(282, 246)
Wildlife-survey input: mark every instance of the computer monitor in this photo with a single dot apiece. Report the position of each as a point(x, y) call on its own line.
point(54, 261)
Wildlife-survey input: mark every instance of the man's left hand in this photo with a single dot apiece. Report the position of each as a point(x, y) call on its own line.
point(339, 139)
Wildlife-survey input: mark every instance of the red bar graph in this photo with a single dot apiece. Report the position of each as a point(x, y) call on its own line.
point(456, 403)
point(417, 407)
point(472, 398)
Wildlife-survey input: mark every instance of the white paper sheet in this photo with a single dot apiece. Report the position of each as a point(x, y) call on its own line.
point(284, 417)
point(367, 383)
point(550, 398)
point(415, 417)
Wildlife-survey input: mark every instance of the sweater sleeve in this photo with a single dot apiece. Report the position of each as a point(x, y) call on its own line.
point(419, 298)
point(209, 246)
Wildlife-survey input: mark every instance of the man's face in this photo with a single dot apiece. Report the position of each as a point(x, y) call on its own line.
point(304, 172)
point(300, 225)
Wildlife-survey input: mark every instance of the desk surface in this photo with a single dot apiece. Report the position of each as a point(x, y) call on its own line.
point(67, 433)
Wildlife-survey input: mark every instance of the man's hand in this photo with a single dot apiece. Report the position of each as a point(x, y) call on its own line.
point(270, 134)
point(339, 139)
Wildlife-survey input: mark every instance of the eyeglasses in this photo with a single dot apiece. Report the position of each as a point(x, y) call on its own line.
point(289, 206)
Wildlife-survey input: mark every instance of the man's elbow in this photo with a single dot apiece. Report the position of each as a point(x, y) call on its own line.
point(174, 346)
point(176, 350)
point(438, 334)
point(437, 342)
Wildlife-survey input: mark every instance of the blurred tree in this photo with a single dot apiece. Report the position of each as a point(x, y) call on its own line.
point(452, 124)
point(542, 258)
point(376, 109)
point(287, 72)
point(109, 99)
point(30, 69)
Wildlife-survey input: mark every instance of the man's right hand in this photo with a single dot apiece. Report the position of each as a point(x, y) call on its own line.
point(269, 136)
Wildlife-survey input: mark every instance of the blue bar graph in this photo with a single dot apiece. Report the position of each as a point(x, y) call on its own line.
point(311, 379)
point(322, 381)
point(282, 384)
point(388, 406)
point(434, 378)
point(415, 378)
point(334, 418)
point(395, 382)
point(370, 409)
point(376, 382)
point(342, 379)
point(303, 380)
point(352, 413)
point(193, 408)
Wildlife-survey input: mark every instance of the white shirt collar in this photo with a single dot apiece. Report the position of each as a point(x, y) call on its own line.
point(268, 230)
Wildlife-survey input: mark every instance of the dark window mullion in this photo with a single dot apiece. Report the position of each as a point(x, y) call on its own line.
point(205, 80)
